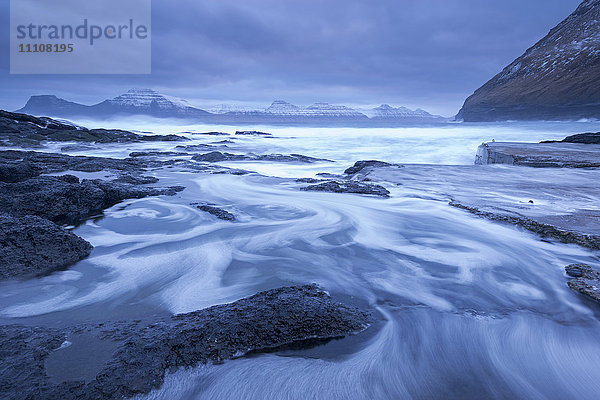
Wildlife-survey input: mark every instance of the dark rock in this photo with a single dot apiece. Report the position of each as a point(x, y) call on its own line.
point(308, 180)
point(18, 171)
point(231, 171)
point(145, 352)
point(217, 212)
point(65, 200)
point(32, 246)
point(253, 133)
point(585, 280)
point(51, 162)
point(360, 165)
point(348, 187)
point(578, 270)
point(584, 138)
point(217, 156)
point(556, 79)
point(327, 175)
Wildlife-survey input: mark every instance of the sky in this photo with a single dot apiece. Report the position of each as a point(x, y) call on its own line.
point(430, 54)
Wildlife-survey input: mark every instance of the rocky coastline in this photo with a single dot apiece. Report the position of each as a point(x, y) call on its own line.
point(132, 357)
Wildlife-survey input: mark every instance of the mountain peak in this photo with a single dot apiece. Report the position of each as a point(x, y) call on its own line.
point(557, 78)
point(144, 98)
point(283, 108)
point(143, 91)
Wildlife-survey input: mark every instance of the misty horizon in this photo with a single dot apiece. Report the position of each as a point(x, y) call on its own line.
point(430, 55)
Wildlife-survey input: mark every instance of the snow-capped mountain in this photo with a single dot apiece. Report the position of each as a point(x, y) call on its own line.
point(387, 112)
point(140, 98)
point(321, 110)
point(152, 103)
point(318, 110)
point(230, 108)
point(280, 107)
point(557, 78)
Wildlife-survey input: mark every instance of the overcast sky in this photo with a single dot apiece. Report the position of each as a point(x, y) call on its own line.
point(430, 54)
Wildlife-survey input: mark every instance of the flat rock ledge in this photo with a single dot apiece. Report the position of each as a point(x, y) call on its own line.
point(585, 280)
point(544, 230)
point(31, 357)
point(540, 155)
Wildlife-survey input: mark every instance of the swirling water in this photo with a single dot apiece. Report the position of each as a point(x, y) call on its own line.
point(468, 308)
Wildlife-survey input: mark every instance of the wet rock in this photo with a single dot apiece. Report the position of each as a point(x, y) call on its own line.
point(578, 270)
point(267, 320)
point(360, 165)
point(348, 187)
point(216, 211)
point(32, 204)
point(327, 175)
point(308, 180)
point(31, 246)
point(217, 156)
point(65, 200)
point(252, 133)
point(585, 280)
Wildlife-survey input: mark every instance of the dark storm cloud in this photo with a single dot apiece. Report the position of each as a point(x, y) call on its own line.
point(428, 53)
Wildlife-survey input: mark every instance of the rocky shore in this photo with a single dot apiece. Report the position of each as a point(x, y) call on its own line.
point(34, 207)
point(29, 131)
point(124, 359)
point(41, 199)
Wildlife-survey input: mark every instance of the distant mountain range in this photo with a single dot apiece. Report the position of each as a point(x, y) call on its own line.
point(152, 103)
point(556, 79)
